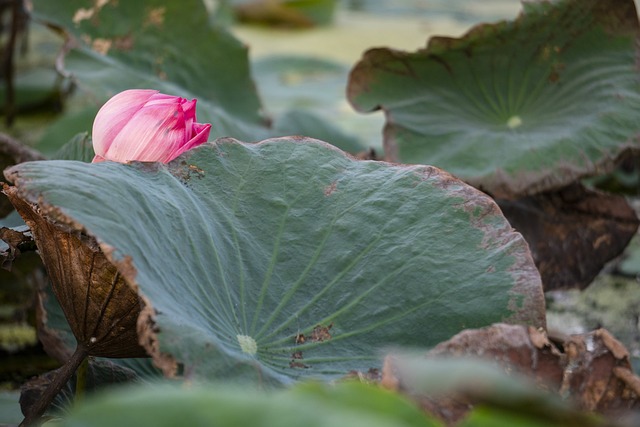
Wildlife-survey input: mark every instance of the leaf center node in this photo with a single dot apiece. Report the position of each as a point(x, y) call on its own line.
point(247, 344)
point(514, 122)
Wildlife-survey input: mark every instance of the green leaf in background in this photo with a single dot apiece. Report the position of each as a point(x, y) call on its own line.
point(163, 45)
point(77, 120)
point(516, 107)
point(306, 96)
point(303, 122)
point(170, 47)
point(78, 148)
point(223, 405)
point(35, 89)
point(288, 259)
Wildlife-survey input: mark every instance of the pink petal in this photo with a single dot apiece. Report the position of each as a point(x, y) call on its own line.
point(146, 125)
point(150, 135)
point(115, 114)
point(189, 108)
point(201, 135)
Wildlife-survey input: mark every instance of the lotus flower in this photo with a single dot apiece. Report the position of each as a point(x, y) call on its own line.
point(146, 125)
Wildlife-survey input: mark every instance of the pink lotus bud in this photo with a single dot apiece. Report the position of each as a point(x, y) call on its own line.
point(146, 125)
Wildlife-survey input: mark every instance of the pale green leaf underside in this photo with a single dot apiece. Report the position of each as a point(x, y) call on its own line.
point(516, 107)
point(242, 247)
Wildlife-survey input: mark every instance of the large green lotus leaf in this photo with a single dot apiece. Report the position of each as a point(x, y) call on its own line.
point(163, 45)
point(224, 405)
point(288, 258)
point(516, 107)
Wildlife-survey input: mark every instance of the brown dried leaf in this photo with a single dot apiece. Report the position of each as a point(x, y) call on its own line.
point(99, 374)
point(590, 373)
point(572, 232)
point(16, 240)
point(593, 372)
point(518, 347)
point(101, 307)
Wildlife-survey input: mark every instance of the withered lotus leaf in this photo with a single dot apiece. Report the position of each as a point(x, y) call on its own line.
point(101, 307)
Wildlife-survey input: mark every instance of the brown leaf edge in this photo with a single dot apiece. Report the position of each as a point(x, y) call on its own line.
point(592, 369)
point(527, 296)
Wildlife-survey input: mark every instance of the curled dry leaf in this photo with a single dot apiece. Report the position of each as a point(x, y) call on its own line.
point(17, 240)
point(101, 307)
point(100, 372)
point(591, 370)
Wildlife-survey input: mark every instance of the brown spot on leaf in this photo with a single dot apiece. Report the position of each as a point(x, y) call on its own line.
point(102, 46)
point(81, 15)
point(300, 339)
point(197, 170)
point(295, 364)
point(321, 333)
point(155, 17)
point(328, 190)
point(296, 360)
